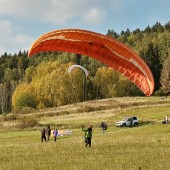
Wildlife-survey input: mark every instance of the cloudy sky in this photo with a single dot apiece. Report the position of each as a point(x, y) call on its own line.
point(23, 21)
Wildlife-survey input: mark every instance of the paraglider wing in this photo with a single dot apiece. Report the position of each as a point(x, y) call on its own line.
point(101, 47)
point(78, 66)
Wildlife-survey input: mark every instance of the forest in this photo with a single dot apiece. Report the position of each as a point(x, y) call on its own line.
point(43, 80)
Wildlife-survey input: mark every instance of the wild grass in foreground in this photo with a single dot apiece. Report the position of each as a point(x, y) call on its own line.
point(146, 147)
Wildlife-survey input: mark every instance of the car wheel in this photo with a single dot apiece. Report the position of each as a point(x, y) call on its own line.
point(124, 125)
point(135, 124)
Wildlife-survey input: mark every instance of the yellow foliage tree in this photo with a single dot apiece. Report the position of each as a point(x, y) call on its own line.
point(105, 80)
point(23, 92)
point(51, 85)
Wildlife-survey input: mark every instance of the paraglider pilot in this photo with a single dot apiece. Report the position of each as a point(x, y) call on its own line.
point(87, 135)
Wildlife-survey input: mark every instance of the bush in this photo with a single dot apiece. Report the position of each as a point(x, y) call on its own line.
point(9, 117)
point(27, 122)
point(23, 110)
point(85, 109)
point(25, 100)
point(41, 105)
point(159, 93)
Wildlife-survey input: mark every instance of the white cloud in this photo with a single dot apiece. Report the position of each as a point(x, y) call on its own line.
point(5, 35)
point(54, 11)
point(61, 12)
point(11, 42)
point(5, 30)
point(95, 16)
point(23, 41)
point(19, 18)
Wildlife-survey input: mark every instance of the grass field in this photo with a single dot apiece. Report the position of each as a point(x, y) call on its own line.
point(146, 147)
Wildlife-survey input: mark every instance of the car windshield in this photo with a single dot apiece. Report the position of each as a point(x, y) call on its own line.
point(126, 118)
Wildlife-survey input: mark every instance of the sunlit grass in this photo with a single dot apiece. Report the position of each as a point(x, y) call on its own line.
point(146, 147)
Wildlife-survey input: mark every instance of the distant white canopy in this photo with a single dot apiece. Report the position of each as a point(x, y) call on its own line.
point(75, 66)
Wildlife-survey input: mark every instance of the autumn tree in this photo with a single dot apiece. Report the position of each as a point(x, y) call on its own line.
point(105, 81)
point(23, 96)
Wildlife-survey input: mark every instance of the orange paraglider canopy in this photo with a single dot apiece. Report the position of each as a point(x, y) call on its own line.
point(101, 47)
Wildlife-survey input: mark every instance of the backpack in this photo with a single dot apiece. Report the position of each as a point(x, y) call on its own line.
point(105, 126)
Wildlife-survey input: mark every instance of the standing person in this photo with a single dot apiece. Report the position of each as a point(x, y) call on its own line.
point(131, 121)
point(55, 133)
point(103, 126)
point(43, 137)
point(87, 135)
point(166, 119)
point(48, 132)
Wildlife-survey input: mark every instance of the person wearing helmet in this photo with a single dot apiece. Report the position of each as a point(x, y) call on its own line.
point(87, 135)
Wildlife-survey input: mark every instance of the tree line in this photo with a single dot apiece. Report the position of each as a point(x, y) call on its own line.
point(43, 80)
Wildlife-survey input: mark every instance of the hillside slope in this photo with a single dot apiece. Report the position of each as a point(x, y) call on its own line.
point(148, 109)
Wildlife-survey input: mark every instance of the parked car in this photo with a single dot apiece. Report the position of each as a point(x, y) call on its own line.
point(127, 122)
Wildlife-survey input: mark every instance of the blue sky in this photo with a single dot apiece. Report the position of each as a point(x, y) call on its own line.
point(23, 21)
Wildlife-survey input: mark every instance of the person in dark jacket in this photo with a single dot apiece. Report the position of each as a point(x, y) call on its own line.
point(48, 132)
point(43, 137)
point(87, 135)
point(103, 126)
point(131, 121)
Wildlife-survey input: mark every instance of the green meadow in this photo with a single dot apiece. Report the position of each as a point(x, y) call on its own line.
point(146, 147)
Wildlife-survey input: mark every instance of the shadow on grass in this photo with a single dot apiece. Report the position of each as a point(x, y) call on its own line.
point(147, 122)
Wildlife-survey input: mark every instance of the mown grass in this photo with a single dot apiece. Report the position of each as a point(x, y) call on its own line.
point(145, 147)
